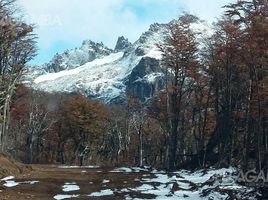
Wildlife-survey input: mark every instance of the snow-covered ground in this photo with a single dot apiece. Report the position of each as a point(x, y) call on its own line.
point(146, 183)
point(214, 184)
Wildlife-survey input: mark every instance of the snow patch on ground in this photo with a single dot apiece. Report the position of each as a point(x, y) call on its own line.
point(12, 183)
point(105, 181)
point(7, 178)
point(64, 196)
point(77, 167)
point(122, 169)
point(30, 182)
point(101, 193)
point(130, 170)
point(68, 187)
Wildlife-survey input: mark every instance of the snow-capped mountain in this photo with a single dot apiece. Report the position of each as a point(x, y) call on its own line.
point(96, 71)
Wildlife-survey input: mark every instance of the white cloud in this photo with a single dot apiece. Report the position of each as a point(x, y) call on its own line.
point(206, 9)
point(65, 23)
point(69, 20)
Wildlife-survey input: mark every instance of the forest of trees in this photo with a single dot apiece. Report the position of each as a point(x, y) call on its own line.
point(213, 111)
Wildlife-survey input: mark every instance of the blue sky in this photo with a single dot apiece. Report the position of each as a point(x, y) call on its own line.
point(64, 24)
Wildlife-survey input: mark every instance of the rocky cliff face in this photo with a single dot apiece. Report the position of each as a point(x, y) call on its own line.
point(146, 79)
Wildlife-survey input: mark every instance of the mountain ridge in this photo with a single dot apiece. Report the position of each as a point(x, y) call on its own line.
point(99, 72)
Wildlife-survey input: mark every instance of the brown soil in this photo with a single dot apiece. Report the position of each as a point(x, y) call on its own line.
point(52, 178)
point(10, 167)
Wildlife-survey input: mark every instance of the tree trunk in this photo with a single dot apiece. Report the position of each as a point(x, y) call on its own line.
point(29, 148)
point(141, 147)
point(173, 144)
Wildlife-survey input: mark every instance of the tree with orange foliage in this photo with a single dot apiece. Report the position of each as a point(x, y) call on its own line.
point(83, 121)
point(180, 58)
point(225, 73)
point(251, 16)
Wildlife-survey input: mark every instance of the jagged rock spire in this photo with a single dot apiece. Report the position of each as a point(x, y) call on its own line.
point(122, 44)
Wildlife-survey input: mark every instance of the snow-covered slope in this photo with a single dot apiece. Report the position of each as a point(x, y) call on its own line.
point(70, 59)
point(101, 78)
point(91, 66)
point(99, 72)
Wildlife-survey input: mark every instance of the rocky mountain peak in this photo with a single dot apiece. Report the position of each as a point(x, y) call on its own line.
point(95, 46)
point(122, 44)
point(155, 27)
point(73, 58)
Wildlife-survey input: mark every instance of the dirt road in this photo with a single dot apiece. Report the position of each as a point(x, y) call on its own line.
point(48, 182)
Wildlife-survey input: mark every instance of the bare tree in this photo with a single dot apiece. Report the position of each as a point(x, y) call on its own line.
point(38, 124)
point(138, 120)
